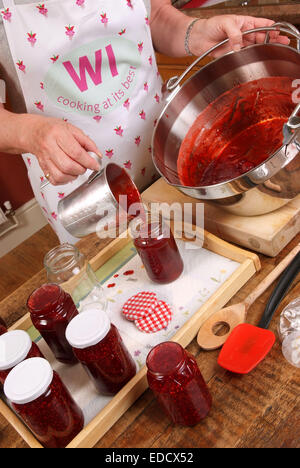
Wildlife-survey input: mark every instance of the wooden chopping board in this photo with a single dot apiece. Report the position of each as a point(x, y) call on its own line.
point(267, 234)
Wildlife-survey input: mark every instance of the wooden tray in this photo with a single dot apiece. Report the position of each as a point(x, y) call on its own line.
point(92, 433)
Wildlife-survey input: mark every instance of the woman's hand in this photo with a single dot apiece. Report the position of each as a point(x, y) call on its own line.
point(209, 32)
point(61, 148)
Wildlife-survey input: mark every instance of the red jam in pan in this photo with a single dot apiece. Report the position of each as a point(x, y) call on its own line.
point(174, 377)
point(51, 311)
point(236, 133)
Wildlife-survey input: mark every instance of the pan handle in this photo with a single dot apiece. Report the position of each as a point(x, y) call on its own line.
point(289, 30)
point(294, 120)
point(286, 26)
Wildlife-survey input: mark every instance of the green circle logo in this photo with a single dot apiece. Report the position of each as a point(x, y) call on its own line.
point(96, 78)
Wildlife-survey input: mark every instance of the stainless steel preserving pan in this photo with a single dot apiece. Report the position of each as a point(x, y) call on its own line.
point(268, 186)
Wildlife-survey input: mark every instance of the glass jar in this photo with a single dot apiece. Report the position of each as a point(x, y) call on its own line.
point(15, 346)
point(67, 266)
point(42, 401)
point(158, 250)
point(51, 310)
point(3, 327)
point(99, 347)
point(174, 377)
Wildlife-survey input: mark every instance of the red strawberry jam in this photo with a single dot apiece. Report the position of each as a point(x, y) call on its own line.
point(121, 185)
point(99, 347)
point(51, 311)
point(236, 133)
point(43, 402)
point(174, 377)
point(159, 253)
point(16, 346)
point(3, 327)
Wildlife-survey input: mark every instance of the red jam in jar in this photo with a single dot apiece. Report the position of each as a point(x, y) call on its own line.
point(51, 310)
point(158, 250)
point(42, 401)
point(174, 377)
point(16, 346)
point(3, 327)
point(99, 347)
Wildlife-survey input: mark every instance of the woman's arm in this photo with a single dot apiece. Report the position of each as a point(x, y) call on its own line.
point(61, 148)
point(169, 27)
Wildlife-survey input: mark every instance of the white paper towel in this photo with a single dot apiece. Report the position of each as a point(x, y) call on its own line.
point(204, 273)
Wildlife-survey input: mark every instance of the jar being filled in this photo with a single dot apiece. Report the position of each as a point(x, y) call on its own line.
point(42, 401)
point(158, 250)
point(67, 266)
point(99, 347)
point(175, 379)
point(51, 310)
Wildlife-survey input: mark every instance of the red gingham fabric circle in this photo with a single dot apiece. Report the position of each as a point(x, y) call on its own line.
point(140, 305)
point(156, 321)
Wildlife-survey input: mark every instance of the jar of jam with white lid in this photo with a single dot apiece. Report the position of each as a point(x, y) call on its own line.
point(43, 402)
point(97, 344)
point(15, 347)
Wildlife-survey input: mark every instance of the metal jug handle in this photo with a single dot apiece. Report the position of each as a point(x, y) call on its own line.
point(92, 177)
point(289, 29)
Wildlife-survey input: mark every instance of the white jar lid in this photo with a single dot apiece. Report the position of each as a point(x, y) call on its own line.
point(88, 328)
point(14, 347)
point(28, 381)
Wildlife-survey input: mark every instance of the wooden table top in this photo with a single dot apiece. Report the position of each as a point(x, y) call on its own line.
point(260, 410)
point(279, 11)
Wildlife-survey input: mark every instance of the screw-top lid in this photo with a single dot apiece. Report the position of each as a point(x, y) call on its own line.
point(88, 328)
point(28, 381)
point(14, 347)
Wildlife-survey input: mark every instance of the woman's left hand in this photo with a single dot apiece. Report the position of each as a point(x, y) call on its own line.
point(209, 32)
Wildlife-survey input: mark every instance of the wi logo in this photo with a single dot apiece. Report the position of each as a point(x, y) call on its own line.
point(85, 67)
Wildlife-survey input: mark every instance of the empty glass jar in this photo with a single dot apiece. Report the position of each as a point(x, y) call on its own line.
point(68, 267)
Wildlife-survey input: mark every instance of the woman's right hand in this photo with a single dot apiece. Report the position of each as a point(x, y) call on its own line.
point(61, 148)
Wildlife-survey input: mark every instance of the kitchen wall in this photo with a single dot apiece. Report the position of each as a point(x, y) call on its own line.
point(15, 187)
point(14, 184)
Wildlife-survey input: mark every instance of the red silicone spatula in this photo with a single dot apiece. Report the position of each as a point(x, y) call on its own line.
point(247, 345)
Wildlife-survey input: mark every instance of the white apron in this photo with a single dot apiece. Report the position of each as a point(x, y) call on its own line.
point(92, 63)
